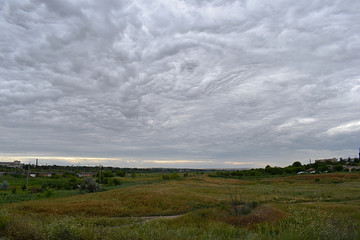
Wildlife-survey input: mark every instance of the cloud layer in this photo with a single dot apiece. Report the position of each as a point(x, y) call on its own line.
point(179, 83)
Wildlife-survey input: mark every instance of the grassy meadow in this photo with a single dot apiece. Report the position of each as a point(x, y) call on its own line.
point(316, 206)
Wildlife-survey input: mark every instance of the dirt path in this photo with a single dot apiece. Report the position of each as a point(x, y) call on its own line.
point(150, 218)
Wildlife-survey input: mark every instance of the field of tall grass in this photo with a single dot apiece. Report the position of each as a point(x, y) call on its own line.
point(324, 206)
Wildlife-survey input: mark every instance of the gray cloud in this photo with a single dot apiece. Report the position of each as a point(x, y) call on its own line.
point(182, 83)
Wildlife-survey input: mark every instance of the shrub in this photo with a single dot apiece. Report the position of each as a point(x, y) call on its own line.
point(110, 182)
point(240, 207)
point(56, 176)
point(105, 180)
point(338, 167)
point(121, 173)
point(116, 182)
point(174, 176)
point(313, 224)
point(65, 228)
point(4, 186)
point(170, 176)
point(108, 174)
point(89, 184)
point(49, 193)
point(4, 218)
point(13, 227)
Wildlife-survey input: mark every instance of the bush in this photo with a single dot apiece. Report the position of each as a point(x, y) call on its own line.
point(110, 182)
point(89, 184)
point(170, 176)
point(108, 174)
point(49, 193)
point(174, 176)
point(305, 223)
point(12, 227)
point(65, 228)
point(116, 182)
point(56, 176)
point(338, 167)
point(4, 219)
point(4, 186)
point(121, 173)
point(105, 180)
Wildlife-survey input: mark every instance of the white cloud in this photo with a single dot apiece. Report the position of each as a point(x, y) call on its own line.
point(344, 128)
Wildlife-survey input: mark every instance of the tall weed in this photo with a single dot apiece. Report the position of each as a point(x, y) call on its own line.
point(306, 223)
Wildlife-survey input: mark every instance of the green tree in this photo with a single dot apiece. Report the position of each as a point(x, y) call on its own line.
point(110, 182)
point(108, 173)
point(320, 166)
point(121, 173)
point(297, 164)
point(338, 167)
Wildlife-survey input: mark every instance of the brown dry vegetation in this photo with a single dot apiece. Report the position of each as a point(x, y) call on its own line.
point(206, 205)
point(180, 196)
point(262, 214)
point(166, 198)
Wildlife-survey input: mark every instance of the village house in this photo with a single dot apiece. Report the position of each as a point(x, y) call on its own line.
point(86, 174)
point(350, 168)
point(45, 174)
point(333, 160)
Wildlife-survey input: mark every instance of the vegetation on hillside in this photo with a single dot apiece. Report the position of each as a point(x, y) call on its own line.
point(295, 168)
point(290, 207)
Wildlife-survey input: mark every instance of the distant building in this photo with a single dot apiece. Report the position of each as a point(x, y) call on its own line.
point(87, 174)
point(334, 160)
point(15, 164)
point(45, 174)
point(310, 170)
point(350, 168)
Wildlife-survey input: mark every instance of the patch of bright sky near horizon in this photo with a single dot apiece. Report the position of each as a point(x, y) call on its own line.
point(196, 83)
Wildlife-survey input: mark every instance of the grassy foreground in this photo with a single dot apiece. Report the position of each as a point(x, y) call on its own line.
point(325, 206)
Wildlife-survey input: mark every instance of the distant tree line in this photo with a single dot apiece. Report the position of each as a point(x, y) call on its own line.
point(295, 168)
point(94, 169)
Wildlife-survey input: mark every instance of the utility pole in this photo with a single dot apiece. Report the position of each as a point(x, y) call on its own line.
point(100, 175)
point(27, 177)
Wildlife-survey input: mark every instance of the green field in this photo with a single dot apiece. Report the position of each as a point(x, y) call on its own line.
point(323, 206)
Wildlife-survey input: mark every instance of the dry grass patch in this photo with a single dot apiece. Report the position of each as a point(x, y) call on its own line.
point(262, 214)
point(166, 198)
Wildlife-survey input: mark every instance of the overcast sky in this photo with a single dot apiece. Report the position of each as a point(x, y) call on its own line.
point(191, 83)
